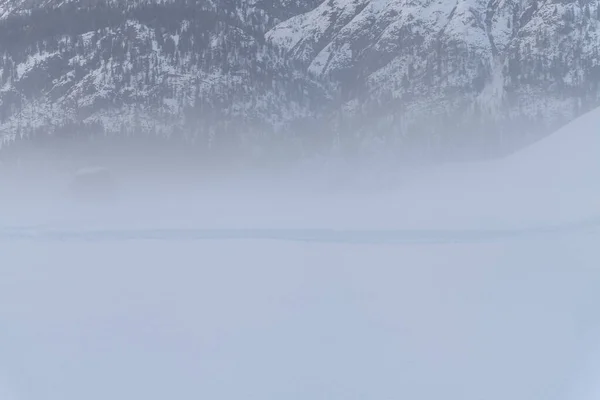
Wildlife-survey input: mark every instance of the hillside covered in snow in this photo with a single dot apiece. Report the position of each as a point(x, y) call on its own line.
point(422, 78)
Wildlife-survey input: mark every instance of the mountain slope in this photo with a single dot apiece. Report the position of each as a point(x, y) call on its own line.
point(454, 73)
point(414, 78)
point(566, 161)
point(172, 68)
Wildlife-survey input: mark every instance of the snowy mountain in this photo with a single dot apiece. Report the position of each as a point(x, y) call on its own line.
point(454, 72)
point(169, 68)
point(434, 78)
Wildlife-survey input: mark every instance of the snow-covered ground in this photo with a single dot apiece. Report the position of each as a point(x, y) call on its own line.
point(258, 319)
point(481, 315)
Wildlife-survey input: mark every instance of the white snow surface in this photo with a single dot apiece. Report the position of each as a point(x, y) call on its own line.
point(148, 318)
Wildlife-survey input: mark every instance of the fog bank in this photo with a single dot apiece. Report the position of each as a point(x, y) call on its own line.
point(494, 319)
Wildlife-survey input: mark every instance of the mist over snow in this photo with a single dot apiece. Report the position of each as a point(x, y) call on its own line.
point(552, 181)
point(486, 317)
point(249, 199)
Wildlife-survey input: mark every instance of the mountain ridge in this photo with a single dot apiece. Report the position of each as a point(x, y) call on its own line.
point(423, 77)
